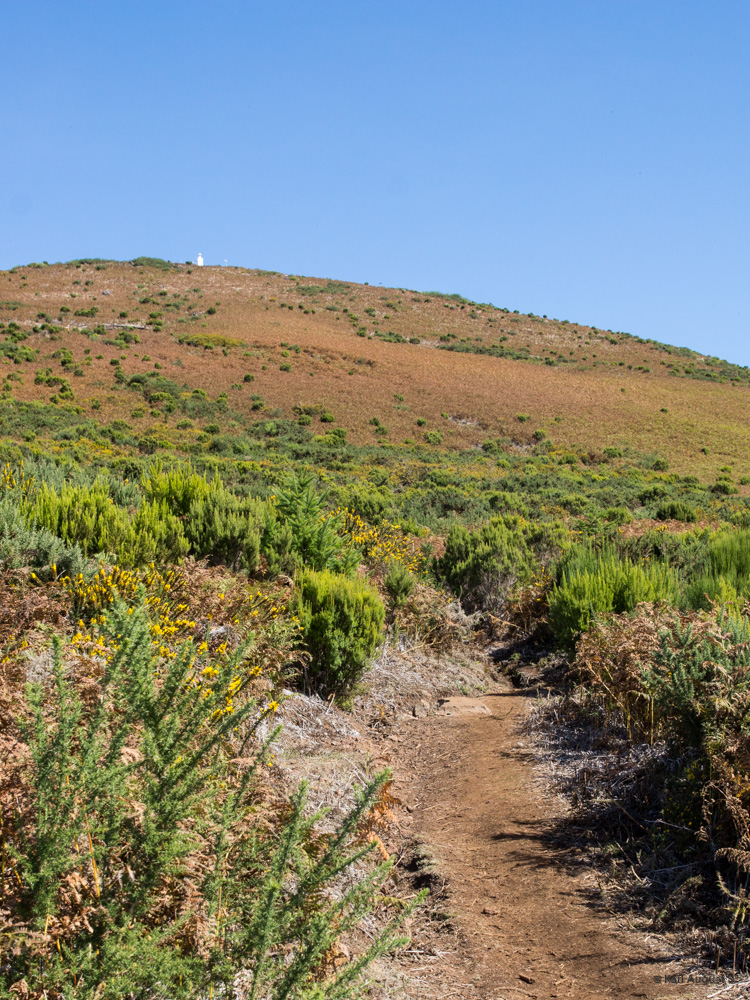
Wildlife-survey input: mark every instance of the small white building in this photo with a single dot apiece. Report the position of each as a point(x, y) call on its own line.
point(199, 261)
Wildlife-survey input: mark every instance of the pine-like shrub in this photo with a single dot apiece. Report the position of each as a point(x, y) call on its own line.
point(138, 857)
point(341, 621)
point(299, 532)
point(593, 583)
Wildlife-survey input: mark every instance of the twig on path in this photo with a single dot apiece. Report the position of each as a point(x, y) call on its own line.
point(724, 989)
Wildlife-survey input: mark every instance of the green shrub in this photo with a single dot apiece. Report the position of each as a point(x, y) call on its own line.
point(727, 559)
point(37, 548)
point(156, 262)
point(591, 584)
point(298, 532)
point(87, 516)
point(676, 510)
point(433, 437)
point(702, 592)
point(335, 436)
point(341, 621)
point(495, 446)
point(618, 515)
point(483, 566)
point(227, 529)
point(723, 487)
point(139, 826)
point(398, 583)
point(652, 493)
point(366, 500)
point(218, 525)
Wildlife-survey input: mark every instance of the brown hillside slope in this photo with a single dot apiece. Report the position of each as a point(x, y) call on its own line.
point(315, 342)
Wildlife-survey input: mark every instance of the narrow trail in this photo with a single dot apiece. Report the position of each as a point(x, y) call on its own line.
point(528, 923)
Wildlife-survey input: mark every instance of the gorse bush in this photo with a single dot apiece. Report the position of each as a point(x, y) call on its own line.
point(136, 861)
point(382, 544)
point(591, 583)
point(341, 623)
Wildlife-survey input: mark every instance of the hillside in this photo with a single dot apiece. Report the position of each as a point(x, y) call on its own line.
point(390, 365)
point(331, 612)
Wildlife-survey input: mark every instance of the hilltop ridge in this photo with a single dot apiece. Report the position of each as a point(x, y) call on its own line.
point(393, 365)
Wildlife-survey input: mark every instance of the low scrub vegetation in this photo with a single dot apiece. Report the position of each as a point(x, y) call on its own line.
point(341, 622)
point(592, 584)
point(169, 569)
point(484, 566)
point(139, 854)
point(674, 684)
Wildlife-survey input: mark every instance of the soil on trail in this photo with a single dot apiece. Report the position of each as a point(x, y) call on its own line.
point(527, 922)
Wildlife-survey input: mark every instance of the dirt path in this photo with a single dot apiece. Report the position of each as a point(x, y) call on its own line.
point(527, 922)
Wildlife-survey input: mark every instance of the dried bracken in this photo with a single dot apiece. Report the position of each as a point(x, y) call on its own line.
point(654, 752)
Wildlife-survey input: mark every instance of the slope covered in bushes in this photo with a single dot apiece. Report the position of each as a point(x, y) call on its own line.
point(196, 515)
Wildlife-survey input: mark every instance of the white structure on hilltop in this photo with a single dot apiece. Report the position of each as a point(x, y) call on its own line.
point(199, 261)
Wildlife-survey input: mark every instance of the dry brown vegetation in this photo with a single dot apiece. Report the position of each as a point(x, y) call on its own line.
point(591, 402)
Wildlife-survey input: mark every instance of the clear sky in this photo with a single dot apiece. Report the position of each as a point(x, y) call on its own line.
point(584, 159)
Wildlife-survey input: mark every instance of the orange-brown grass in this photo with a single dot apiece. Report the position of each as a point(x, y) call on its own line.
point(358, 378)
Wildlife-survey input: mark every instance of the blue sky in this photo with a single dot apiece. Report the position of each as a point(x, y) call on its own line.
point(584, 160)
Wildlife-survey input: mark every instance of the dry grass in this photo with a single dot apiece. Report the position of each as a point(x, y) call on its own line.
point(358, 378)
point(651, 750)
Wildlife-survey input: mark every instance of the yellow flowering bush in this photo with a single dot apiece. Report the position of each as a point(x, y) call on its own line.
point(383, 543)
